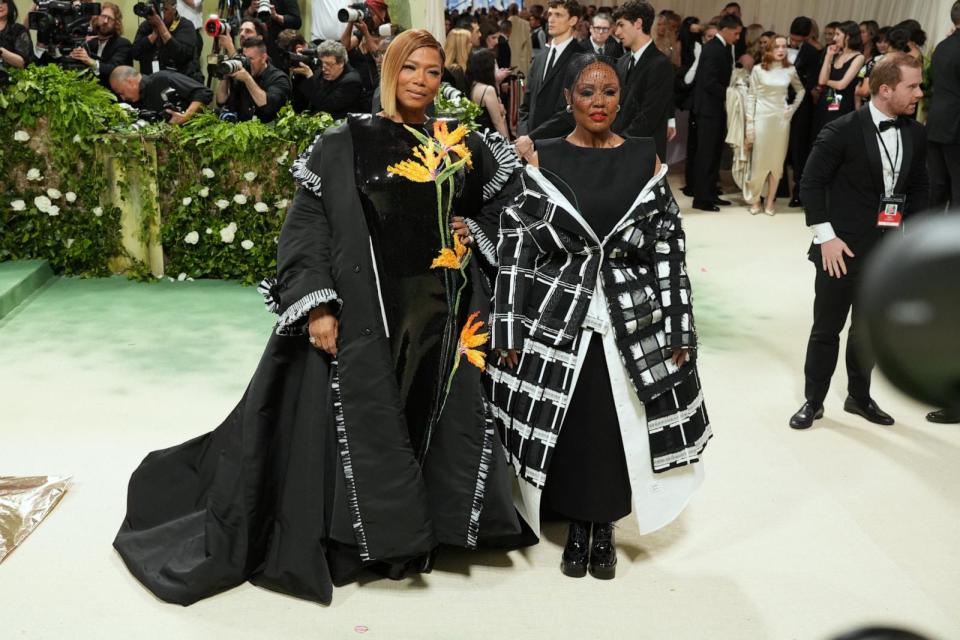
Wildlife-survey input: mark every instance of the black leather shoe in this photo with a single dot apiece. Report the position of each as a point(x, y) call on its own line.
point(576, 553)
point(869, 411)
point(804, 417)
point(603, 552)
point(795, 203)
point(705, 206)
point(943, 416)
point(721, 202)
point(687, 191)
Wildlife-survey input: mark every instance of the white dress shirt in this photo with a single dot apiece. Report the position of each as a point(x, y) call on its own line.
point(824, 232)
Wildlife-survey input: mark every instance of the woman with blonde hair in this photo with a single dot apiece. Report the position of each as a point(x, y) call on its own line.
point(362, 440)
point(768, 122)
point(457, 52)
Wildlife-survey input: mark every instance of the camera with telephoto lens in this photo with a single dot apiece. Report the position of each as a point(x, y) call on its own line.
point(355, 13)
point(61, 24)
point(147, 9)
point(232, 64)
point(216, 26)
point(263, 10)
point(308, 57)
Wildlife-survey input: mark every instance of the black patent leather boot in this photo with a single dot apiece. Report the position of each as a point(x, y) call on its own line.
point(603, 552)
point(576, 553)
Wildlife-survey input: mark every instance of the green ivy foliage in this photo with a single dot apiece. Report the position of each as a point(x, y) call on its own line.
point(222, 188)
point(52, 198)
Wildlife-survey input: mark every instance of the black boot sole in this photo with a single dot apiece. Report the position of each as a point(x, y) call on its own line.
point(603, 573)
point(573, 569)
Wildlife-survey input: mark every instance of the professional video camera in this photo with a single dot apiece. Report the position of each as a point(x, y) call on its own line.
point(232, 64)
point(147, 9)
point(216, 26)
point(61, 24)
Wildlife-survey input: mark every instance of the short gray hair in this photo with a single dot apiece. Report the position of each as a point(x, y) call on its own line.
point(333, 49)
point(122, 73)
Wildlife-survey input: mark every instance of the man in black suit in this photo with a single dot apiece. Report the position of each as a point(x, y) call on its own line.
point(106, 50)
point(866, 173)
point(646, 78)
point(710, 110)
point(943, 119)
point(807, 64)
point(601, 28)
point(543, 111)
point(740, 44)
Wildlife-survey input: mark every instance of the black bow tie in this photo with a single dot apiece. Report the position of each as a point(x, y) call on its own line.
point(887, 124)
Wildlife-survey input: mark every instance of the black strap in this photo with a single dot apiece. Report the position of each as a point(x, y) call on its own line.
point(893, 167)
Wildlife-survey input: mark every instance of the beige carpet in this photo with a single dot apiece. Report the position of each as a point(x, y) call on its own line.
point(794, 535)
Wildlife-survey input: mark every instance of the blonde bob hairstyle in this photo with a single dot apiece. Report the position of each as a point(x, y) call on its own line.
point(397, 53)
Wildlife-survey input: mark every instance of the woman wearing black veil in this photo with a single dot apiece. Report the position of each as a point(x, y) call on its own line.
point(363, 439)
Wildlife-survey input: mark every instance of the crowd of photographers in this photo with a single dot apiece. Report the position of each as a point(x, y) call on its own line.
point(259, 60)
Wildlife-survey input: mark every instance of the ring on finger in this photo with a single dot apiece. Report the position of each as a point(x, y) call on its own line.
point(313, 341)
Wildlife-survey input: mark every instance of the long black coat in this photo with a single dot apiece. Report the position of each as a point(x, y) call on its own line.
point(713, 77)
point(839, 187)
point(646, 102)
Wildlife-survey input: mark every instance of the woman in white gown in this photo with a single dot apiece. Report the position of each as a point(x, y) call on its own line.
point(768, 123)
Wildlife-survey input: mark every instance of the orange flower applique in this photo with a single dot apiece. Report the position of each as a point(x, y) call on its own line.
point(470, 339)
point(423, 171)
point(453, 142)
point(451, 258)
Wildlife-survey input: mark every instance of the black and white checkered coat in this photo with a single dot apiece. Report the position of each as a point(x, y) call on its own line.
point(550, 262)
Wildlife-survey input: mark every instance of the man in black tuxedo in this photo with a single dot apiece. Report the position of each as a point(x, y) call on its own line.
point(543, 111)
point(646, 78)
point(107, 49)
point(807, 64)
point(601, 28)
point(943, 120)
point(710, 110)
point(866, 173)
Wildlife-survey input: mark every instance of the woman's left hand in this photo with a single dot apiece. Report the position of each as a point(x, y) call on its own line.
point(680, 356)
point(459, 226)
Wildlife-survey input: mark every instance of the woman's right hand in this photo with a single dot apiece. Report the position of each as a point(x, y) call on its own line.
point(510, 358)
point(323, 329)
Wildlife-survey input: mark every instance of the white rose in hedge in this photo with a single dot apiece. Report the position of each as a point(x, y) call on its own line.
point(186, 201)
point(247, 244)
point(240, 198)
point(21, 136)
point(207, 172)
point(204, 192)
point(98, 211)
point(261, 207)
point(76, 139)
point(250, 176)
point(192, 238)
point(223, 204)
point(181, 277)
point(209, 230)
point(54, 194)
point(42, 203)
point(69, 242)
point(227, 234)
point(283, 157)
point(70, 196)
point(54, 210)
point(18, 205)
point(281, 204)
point(34, 174)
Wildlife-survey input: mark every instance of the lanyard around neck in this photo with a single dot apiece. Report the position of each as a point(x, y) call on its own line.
point(893, 167)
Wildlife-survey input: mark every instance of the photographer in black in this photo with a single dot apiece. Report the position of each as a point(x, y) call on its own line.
point(106, 49)
point(336, 88)
point(165, 40)
point(362, 41)
point(163, 94)
point(15, 42)
point(249, 28)
point(278, 15)
point(255, 87)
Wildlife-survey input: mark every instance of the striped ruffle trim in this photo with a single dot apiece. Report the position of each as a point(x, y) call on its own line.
point(483, 244)
point(344, 448)
point(507, 162)
point(302, 174)
point(270, 291)
point(486, 457)
point(289, 323)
